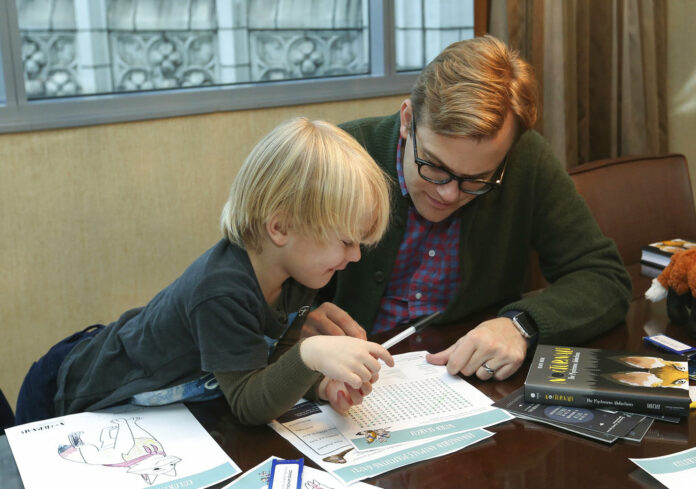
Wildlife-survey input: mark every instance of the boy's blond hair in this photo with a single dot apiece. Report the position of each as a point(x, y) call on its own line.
point(314, 175)
point(468, 89)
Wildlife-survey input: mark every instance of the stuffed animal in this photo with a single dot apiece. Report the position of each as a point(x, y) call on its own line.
point(677, 282)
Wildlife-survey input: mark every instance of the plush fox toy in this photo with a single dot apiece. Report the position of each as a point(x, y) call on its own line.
point(677, 282)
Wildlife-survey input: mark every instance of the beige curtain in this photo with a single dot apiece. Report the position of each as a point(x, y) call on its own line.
point(601, 66)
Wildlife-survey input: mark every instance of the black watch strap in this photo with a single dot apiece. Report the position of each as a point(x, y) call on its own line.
point(524, 324)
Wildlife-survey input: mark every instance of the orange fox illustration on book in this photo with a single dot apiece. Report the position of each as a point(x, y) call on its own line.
point(653, 372)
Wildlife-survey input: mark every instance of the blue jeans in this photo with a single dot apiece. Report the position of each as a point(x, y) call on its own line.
point(35, 400)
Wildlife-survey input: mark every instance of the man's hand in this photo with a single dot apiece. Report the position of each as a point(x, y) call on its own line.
point(495, 343)
point(329, 319)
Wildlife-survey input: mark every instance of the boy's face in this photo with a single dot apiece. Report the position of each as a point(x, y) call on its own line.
point(313, 263)
point(465, 157)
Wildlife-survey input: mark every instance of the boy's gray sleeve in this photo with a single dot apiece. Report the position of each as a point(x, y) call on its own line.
point(259, 396)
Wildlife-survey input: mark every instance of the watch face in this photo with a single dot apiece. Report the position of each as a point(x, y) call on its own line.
point(524, 325)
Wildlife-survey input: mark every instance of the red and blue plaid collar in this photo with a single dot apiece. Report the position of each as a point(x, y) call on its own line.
point(400, 166)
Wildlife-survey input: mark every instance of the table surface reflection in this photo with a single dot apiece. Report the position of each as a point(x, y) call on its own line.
point(521, 454)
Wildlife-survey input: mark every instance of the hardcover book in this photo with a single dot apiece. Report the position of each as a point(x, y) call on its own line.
point(589, 377)
point(658, 254)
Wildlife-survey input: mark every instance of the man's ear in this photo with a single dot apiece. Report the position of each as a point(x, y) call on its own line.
point(277, 228)
point(406, 116)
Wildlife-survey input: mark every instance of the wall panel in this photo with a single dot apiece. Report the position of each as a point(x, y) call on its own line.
point(96, 220)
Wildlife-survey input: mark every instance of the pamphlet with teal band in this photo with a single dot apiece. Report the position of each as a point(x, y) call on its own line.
point(676, 462)
point(425, 451)
point(420, 433)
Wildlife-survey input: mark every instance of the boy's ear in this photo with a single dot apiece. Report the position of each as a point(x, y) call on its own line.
point(277, 229)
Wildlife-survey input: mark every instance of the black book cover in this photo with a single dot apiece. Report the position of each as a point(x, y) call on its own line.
point(626, 381)
point(649, 270)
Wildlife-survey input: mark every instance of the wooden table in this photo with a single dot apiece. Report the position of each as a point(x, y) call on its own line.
point(522, 454)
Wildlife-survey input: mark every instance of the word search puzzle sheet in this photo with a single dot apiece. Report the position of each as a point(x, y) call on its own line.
point(407, 401)
point(416, 412)
point(413, 401)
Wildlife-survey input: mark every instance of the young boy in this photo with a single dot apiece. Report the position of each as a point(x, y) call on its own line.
point(305, 199)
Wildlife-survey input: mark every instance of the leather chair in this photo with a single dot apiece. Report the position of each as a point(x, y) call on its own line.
point(636, 200)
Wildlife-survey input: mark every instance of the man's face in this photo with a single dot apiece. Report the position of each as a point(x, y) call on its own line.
point(464, 157)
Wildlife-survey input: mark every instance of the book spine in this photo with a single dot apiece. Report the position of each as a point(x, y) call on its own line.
point(648, 250)
point(624, 401)
point(655, 260)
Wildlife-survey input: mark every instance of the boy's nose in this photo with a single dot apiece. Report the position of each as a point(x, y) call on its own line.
point(353, 252)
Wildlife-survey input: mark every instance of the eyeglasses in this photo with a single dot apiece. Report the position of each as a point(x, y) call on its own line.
point(440, 176)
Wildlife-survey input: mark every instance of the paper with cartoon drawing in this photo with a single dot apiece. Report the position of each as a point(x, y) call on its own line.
point(124, 444)
point(125, 447)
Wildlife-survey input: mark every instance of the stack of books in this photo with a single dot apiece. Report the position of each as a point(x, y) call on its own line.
point(655, 256)
point(590, 377)
point(602, 394)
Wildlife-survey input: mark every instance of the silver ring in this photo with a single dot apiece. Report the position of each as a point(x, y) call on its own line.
point(488, 369)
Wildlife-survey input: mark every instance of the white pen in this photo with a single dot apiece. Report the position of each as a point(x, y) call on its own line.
point(417, 326)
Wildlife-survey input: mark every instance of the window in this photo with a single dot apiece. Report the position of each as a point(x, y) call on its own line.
point(4, 65)
point(3, 100)
point(92, 61)
point(422, 29)
point(113, 46)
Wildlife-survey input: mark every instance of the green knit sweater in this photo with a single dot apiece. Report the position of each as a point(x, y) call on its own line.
point(536, 208)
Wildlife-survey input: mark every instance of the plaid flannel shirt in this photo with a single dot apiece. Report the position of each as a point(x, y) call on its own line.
point(426, 271)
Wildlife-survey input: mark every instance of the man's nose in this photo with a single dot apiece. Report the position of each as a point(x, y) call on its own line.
point(449, 192)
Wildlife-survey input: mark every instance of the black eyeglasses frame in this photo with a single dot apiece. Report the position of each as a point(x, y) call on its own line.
point(488, 185)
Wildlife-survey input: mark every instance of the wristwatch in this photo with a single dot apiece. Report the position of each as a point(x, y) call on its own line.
point(524, 324)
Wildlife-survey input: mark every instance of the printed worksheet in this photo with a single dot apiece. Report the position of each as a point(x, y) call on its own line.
point(415, 412)
point(309, 428)
point(257, 478)
point(675, 471)
point(414, 401)
point(120, 448)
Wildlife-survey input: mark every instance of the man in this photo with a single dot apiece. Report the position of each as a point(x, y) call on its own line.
point(475, 190)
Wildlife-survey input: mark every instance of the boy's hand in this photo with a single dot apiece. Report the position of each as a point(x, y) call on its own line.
point(341, 396)
point(496, 342)
point(329, 319)
point(343, 358)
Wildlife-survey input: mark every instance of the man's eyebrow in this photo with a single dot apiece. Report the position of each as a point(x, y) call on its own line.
point(431, 158)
